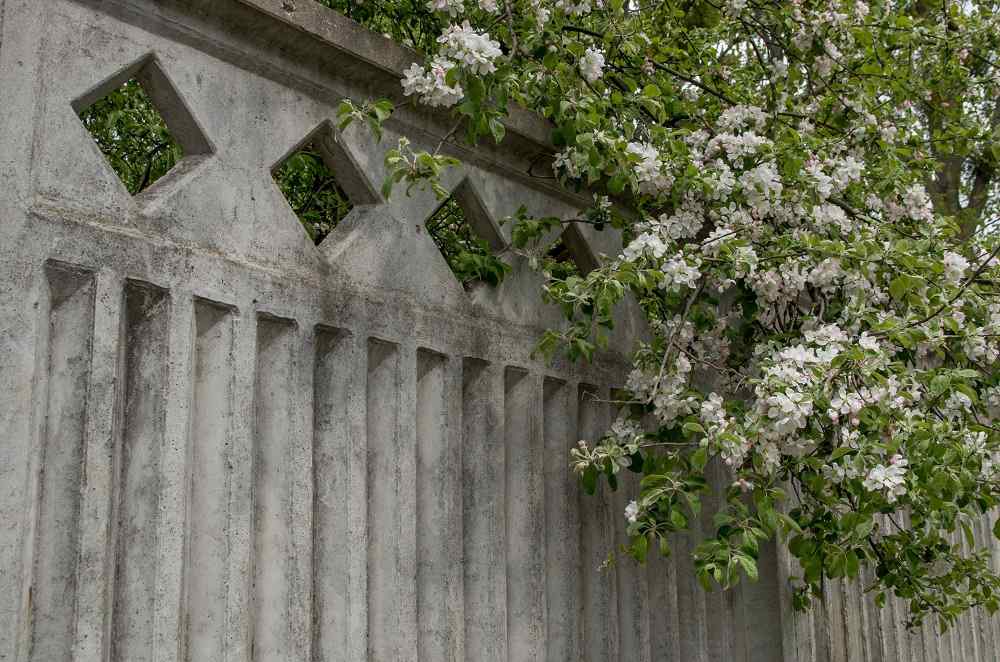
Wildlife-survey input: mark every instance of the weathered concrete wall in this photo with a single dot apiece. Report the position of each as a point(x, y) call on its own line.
point(220, 442)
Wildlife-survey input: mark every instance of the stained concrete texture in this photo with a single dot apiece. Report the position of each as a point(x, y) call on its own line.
point(221, 442)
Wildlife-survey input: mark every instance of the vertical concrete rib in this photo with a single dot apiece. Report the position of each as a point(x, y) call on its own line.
point(932, 643)
point(564, 588)
point(439, 511)
point(281, 501)
point(691, 598)
point(174, 482)
point(96, 558)
point(633, 590)
point(888, 617)
point(242, 513)
point(796, 639)
point(208, 527)
point(966, 624)
point(831, 614)
point(339, 514)
point(764, 611)
point(144, 385)
point(719, 621)
point(853, 619)
point(736, 599)
point(392, 604)
point(67, 366)
point(600, 617)
point(870, 618)
point(525, 515)
point(664, 628)
point(984, 622)
point(484, 515)
point(990, 521)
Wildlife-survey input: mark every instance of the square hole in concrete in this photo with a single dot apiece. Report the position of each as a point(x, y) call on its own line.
point(560, 261)
point(141, 125)
point(471, 256)
point(570, 255)
point(310, 186)
point(321, 183)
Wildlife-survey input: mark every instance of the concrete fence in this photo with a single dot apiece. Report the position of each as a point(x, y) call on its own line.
point(219, 441)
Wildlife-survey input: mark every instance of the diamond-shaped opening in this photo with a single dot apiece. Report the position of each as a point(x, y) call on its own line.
point(570, 255)
point(141, 125)
point(321, 183)
point(559, 261)
point(468, 239)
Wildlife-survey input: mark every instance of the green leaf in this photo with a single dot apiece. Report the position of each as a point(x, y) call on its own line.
point(901, 285)
point(694, 427)
point(699, 458)
point(497, 130)
point(970, 537)
point(678, 519)
point(749, 566)
point(864, 528)
point(589, 479)
point(841, 452)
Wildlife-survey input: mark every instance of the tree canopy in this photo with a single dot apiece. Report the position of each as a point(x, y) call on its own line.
point(809, 196)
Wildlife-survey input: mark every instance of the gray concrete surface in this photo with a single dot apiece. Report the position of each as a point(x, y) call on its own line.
point(221, 442)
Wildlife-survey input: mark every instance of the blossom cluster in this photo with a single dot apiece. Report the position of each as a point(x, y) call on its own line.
point(822, 311)
point(462, 49)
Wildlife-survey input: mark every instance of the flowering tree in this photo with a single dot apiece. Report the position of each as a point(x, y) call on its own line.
point(812, 192)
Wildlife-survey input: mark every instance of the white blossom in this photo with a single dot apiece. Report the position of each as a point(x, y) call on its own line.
point(474, 50)
point(451, 7)
point(632, 512)
point(431, 84)
point(592, 65)
point(890, 479)
point(954, 267)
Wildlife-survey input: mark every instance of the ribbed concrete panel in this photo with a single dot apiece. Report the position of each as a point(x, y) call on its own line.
point(220, 443)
